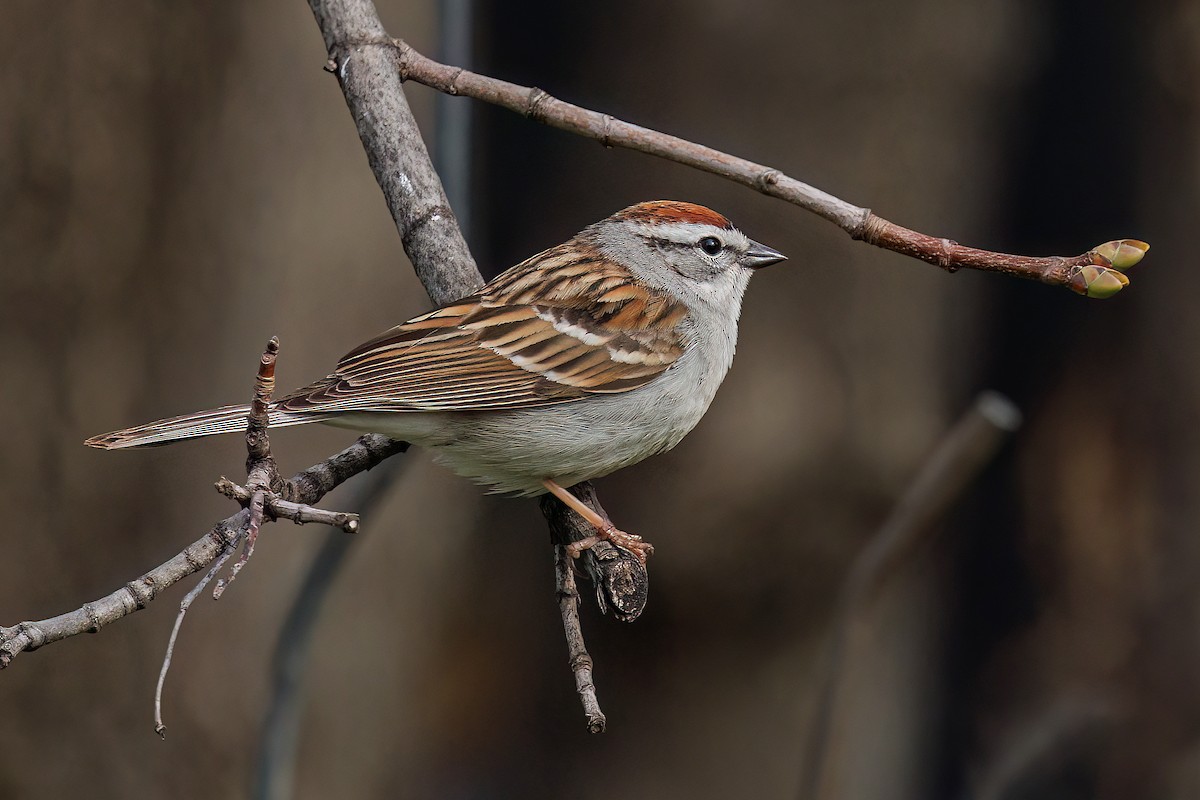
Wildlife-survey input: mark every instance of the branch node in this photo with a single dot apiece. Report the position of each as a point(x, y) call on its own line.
point(230, 490)
point(606, 131)
point(94, 621)
point(431, 214)
point(868, 228)
point(768, 178)
point(34, 636)
point(532, 102)
point(946, 255)
point(403, 54)
point(145, 589)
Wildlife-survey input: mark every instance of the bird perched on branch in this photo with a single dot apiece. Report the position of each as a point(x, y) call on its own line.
point(586, 358)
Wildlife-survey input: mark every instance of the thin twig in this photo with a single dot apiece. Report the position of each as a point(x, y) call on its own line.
point(1079, 273)
point(184, 605)
point(253, 525)
point(577, 654)
point(307, 487)
point(262, 475)
point(277, 508)
point(965, 450)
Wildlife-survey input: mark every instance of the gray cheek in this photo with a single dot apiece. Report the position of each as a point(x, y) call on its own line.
point(704, 269)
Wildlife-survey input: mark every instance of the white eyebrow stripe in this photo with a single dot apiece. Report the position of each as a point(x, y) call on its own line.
point(684, 232)
point(688, 233)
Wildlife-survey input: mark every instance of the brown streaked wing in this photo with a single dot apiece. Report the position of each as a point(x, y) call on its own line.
point(550, 330)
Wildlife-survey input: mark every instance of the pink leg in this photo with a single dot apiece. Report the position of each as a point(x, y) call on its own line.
point(605, 530)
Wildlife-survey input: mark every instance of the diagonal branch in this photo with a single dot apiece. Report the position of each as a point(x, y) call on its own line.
point(395, 149)
point(1096, 273)
point(305, 487)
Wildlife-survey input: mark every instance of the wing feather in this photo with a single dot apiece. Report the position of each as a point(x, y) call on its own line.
point(550, 330)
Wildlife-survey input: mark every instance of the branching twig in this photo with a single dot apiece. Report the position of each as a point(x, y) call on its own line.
point(222, 557)
point(262, 475)
point(1091, 273)
point(949, 470)
point(305, 487)
point(262, 478)
point(301, 514)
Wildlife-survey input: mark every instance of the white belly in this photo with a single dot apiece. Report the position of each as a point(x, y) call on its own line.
point(513, 451)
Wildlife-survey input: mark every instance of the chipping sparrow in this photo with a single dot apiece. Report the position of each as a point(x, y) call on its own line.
point(584, 359)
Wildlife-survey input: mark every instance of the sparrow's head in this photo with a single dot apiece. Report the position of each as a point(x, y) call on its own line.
point(691, 251)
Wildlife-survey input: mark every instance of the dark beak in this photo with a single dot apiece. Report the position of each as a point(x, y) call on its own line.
point(759, 255)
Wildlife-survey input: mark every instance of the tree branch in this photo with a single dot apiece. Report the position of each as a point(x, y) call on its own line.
point(618, 575)
point(305, 487)
point(1096, 273)
point(395, 150)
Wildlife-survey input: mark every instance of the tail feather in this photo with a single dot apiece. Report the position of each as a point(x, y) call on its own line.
point(225, 419)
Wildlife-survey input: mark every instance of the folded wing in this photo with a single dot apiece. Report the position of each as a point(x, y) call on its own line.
point(550, 330)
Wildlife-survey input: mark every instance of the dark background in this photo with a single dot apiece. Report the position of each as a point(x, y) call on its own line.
point(179, 181)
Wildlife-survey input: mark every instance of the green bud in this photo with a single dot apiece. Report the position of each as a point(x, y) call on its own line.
point(1098, 282)
point(1121, 253)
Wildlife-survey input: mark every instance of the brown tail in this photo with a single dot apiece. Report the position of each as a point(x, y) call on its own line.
point(225, 419)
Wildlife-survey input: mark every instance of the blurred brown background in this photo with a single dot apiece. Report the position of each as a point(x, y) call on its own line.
point(179, 181)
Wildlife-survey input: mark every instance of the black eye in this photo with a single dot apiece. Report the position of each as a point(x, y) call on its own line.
point(710, 245)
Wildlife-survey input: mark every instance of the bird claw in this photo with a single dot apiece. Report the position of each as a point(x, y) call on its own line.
point(610, 533)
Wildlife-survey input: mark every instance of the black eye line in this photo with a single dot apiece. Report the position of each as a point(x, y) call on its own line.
point(659, 244)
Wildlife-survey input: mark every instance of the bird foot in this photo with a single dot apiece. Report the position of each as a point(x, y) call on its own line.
point(610, 533)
